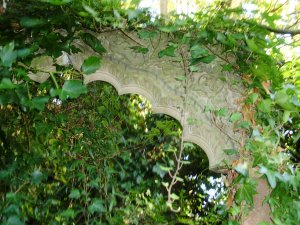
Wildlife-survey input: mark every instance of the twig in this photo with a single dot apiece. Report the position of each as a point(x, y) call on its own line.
point(131, 38)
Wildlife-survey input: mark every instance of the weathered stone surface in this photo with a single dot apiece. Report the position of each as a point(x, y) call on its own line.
point(157, 79)
point(261, 211)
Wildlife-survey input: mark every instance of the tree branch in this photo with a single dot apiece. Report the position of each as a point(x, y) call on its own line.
point(281, 31)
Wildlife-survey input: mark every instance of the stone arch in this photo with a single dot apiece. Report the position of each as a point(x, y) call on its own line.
point(155, 107)
point(159, 79)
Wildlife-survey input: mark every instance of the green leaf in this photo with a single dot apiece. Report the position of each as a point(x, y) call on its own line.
point(222, 112)
point(133, 13)
point(39, 102)
point(246, 191)
point(174, 196)
point(157, 169)
point(37, 177)
point(194, 68)
point(227, 67)
point(231, 151)
point(286, 116)
point(271, 176)
point(235, 117)
point(143, 34)
point(244, 124)
point(197, 51)
point(57, 2)
point(265, 106)
point(180, 78)
point(179, 179)
point(97, 206)
point(93, 42)
point(207, 59)
point(14, 220)
point(169, 51)
point(139, 49)
point(8, 55)
point(283, 100)
point(75, 193)
point(69, 213)
point(251, 98)
point(32, 22)
point(71, 89)
point(6, 84)
point(24, 52)
point(242, 168)
point(91, 65)
point(168, 29)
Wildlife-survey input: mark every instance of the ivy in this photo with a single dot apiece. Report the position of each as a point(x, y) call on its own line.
point(44, 150)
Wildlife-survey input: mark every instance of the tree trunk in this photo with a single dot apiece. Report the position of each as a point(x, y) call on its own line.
point(260, 211)
point(164, 7)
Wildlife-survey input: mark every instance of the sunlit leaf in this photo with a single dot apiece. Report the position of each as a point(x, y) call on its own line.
point(91, 65)
point(57, 2)
point(235, 117)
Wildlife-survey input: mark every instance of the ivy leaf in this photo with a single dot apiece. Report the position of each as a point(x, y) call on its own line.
point(235, 117)
point(169, 51)
point(70, 89)
point(207, 59)
point(37, 177)
point(244, 124)
point(96, 206)
point(24, 52)
point(246, 191)
point(251, 98)
point(93, 42)
point(265, 106)
point(143, 34)
point(242, 168)
point(198, 51)
point(286, 116)
point(231, 151)
point(270, 175)
point(222, 112)
point(57, 2)
point(73, 89)
point(8, 55)
point(74, 194)
point(283, 100)
point(39, 102)
point(32, 22)
point(69, 213)
point(157, 169)
point(132, 14)
point(174, 196)
point(14, 220)
point(180, 78)
point(6, 84)
point(91, 65)
point(139, 49)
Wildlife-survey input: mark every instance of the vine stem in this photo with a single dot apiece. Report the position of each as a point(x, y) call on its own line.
point(178, 158)
point(54, 80)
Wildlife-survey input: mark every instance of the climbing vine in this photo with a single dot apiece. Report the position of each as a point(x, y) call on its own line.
point(38, 87)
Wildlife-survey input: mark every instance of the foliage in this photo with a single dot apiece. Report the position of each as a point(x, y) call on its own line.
point(48, 161)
